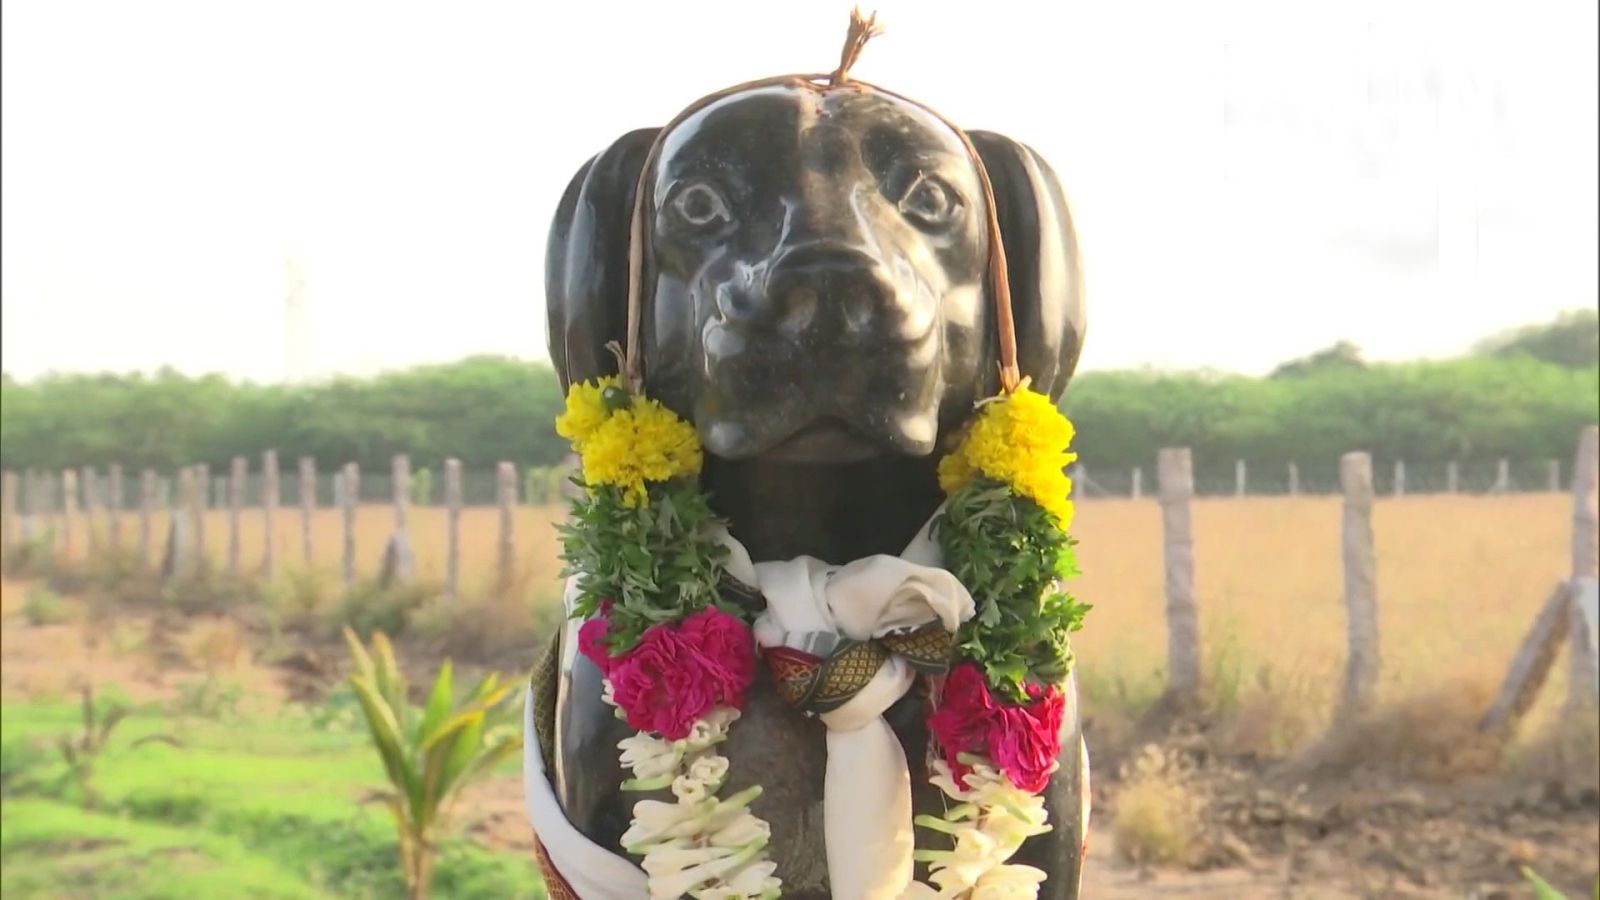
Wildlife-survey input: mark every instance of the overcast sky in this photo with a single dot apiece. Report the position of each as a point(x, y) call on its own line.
point(1251, 181)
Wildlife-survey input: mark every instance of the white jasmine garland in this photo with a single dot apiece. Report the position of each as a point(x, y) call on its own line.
point(989, 823)
point(700, 846)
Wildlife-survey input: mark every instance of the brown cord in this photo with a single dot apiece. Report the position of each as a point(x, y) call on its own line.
point(862, 29)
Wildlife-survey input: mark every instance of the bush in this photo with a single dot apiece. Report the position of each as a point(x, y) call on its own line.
point(22, 763)
point(422, 487)
point(1157, 818)
point(209, 697)
point(45, 607)
point(205, 590)
point(370, 607)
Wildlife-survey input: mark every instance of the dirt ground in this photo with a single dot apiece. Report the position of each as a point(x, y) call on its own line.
point(1264, 829)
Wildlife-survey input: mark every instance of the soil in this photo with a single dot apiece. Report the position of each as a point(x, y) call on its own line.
point(1268, 830)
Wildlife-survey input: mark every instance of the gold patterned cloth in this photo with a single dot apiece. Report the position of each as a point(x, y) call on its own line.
point(822, 684)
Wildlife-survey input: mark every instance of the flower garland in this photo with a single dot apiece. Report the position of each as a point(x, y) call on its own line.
point(676, 658)
point(998, 717)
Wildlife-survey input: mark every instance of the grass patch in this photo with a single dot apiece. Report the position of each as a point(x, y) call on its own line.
point(251, 808)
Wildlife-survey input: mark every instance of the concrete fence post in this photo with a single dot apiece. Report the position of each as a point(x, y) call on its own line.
point(147, 512)
point(114, 507)
point(399, 562)
point(349, 490)
point(238, 471)
point(69, 510)
point(452, 502)
point(1584, 685)
point(308, 507)
point(1360, 582)
point(269, 513)
point(1175, 483)
point(506, 490)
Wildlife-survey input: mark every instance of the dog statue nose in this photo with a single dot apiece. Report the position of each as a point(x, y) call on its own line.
point(818, 289)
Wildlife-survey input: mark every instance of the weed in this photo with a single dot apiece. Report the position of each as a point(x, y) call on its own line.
point(45, 607)
point(209, 697)
point(298, 596)
point(81, 751)
point(1157, 818)
point(20, 765)
point(371, 608)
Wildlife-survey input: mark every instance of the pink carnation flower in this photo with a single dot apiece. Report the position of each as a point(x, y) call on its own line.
point(1024, 741)
point(677, 674)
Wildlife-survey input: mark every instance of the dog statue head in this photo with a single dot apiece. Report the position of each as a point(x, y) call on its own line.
point(812, 271)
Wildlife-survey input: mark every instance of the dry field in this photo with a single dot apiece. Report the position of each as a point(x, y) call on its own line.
point(1459, 581)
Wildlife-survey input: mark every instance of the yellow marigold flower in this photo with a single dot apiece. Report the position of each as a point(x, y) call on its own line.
point(955, 472)
point(586, 410)
point(1020, 440)
point(645, 442)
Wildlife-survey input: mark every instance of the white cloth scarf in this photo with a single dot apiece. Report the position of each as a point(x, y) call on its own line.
point(867, 790)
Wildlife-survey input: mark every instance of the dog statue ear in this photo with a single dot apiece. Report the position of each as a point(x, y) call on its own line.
point(586, 260)
point(1042, 256)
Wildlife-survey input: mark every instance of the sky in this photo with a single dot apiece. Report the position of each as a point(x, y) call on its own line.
point(1251, 181)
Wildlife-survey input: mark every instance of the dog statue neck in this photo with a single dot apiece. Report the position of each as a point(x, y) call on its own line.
point(836, 512)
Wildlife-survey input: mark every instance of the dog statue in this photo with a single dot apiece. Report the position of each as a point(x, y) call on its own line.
point(813, 262)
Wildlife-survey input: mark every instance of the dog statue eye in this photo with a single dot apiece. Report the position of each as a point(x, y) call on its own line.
point(701, 205)
point(930, 201)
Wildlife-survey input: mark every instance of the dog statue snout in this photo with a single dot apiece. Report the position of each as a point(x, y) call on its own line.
point(836, 293)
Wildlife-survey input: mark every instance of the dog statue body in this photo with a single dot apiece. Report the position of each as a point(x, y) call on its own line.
point(814, 271)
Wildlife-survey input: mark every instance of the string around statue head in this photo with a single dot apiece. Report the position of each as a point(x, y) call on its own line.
point(862, 29)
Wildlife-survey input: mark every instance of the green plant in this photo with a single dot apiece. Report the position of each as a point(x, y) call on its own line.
point(656, 562)
point(32, 555)
point(422, 487)
point(370, 607)
point(81, 751)
point(1542, 890)
point(20, 762)
point(1015, 554)
point(209, 698)
point(429, 755)
point(44, 607)
point(206, 590)
point(340, 711)
point(298, 594)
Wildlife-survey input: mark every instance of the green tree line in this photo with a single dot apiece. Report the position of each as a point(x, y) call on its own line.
point(481, 410)
point(1523, 396)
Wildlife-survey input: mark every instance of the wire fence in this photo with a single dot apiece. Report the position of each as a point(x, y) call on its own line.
point(45, 491)
point(1092, 478)
point(48, 491)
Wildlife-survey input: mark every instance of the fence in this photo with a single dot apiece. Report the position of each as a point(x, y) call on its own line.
point(77, 505)
point(1570, 615)
point(1242, 478)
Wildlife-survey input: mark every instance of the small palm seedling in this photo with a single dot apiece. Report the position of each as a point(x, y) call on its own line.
point(81, 752)
point(428, 755)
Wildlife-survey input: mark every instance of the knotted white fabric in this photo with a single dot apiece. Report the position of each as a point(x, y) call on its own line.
point(867, 792)
point(867, 812)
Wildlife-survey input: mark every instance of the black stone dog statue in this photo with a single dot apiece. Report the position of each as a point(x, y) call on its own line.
point(813, 268)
